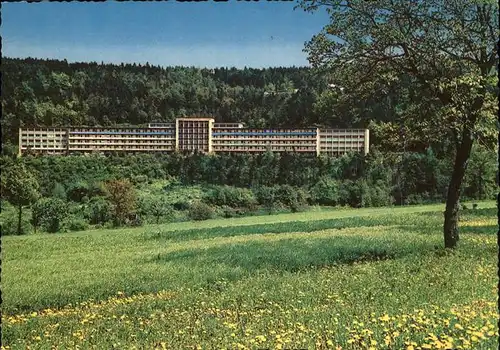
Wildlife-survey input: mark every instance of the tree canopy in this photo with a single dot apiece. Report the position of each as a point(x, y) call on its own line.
point(443, 50)
point(19, 187)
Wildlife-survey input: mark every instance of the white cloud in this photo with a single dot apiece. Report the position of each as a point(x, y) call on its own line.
point(254, 55)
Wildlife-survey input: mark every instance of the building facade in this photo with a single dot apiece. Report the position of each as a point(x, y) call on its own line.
point(190, 135)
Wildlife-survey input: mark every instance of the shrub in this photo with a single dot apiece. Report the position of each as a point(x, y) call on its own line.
point(181, 205)
point(77, 190)
point(267, 196)
point(9, 150)
point(156, 207)
point(77, 224)
point(10, 223)
point(351, 193)
point(98, 211)
point(174, 183)
point(59, 191)
point(49, 213)
point(200, 211)
point(325, 192)
point(140, 179)
point(292, 197)
point(96, 189)
point(376, 194)
point(228, 212)
point(233, 197)
point(418, 198)
point(135, 220)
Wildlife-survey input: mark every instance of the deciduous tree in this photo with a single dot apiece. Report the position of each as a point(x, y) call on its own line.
point(49, 213)
point(122, 196)
point(447, 48)
point(20, 188)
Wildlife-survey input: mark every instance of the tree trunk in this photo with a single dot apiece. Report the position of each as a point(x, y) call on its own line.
point(451, 236)
point(19, 219)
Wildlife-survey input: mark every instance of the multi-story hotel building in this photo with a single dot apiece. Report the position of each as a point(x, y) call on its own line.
point(192, 134)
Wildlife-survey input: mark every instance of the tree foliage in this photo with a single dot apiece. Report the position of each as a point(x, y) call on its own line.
point(156, 207)
point(445, 50)
point(98, 211)
point(49, 213)
point(122, 196)
point(200, 211)
point(57, 93)
point(20, 188)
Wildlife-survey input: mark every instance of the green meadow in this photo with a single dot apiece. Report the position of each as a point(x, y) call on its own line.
point(374, 278)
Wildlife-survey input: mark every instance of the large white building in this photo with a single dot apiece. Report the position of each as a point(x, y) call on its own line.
point(192, 134)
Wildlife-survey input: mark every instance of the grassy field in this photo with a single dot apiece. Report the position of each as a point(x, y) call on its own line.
point(331, 279)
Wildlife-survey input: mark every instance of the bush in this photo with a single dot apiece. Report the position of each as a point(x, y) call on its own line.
point(228, 212)
point(418, 198)
point(350, 193)
point(49, 213)
point(59, 191)
point(140, 180)
point(376, 194)
point(325, 192)
point(292, 197)
point(77, 224)
point(77, 190)
point(135, 220)
point(181, 206)
point(9, 150)
point(267, 196)
point(200, 211)
point(233, 197)
point(155, 207)
point(97, 189)
point(98, 211)
point(10, 221)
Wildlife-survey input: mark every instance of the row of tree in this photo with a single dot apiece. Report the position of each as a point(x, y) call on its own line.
point(114, 199)
point(408, 173)
point(102, 188)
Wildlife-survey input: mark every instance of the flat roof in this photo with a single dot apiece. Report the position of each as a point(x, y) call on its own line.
point(195, 119)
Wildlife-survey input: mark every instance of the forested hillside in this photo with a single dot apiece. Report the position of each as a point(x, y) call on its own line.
point(55, 93)
point(408, 163)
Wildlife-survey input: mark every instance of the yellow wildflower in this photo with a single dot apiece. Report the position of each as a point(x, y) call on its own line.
point(384, 318)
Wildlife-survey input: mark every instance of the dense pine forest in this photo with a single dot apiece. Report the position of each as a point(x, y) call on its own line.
point(407, 164)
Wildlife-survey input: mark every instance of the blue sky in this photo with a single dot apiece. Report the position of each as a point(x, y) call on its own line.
point(203, 34)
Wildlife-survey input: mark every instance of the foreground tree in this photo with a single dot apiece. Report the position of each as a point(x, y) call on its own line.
point(20, 188)
point(446, 47)
point(49, 213)
point(121, 194)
